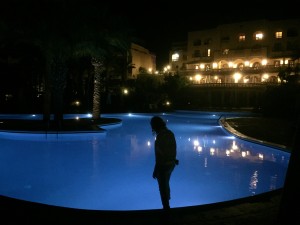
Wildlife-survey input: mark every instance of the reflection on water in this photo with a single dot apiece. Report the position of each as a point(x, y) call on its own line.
point(114, 171)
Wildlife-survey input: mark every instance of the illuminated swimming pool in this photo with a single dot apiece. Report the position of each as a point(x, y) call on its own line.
point(113, 171)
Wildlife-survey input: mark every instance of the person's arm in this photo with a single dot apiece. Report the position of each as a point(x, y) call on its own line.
point(154, 175)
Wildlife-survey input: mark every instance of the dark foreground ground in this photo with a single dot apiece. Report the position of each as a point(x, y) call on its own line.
point(262, 210)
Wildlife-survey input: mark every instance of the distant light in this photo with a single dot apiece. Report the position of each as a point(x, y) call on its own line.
point(196, 143)
point(264, 62)
point(197, 77)
point(199, 149)
point(175, 57)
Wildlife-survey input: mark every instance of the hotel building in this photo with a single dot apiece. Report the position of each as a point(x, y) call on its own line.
point(244, 52)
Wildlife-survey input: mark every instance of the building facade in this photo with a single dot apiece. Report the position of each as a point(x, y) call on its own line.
point(141, 59)
point(243, 52)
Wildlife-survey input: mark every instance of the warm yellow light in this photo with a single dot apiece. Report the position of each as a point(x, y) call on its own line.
point(76, 103)
point(166, 68)
point(197, 77)
point(265, 77)
point(175, 57)
point(237, 76)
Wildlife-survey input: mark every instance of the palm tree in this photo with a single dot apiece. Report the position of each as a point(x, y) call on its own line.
point(62, 30)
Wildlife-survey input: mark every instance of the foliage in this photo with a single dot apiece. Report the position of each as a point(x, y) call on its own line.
point(282, 101)
point(288, 74)
point(174, 83)
point(63, 30)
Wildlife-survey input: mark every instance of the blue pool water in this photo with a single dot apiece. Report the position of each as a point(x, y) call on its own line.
point(113, 171)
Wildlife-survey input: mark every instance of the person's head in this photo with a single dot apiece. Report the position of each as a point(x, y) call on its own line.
point(157, 124)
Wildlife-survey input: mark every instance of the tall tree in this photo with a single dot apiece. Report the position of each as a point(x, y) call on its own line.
point(63, 29)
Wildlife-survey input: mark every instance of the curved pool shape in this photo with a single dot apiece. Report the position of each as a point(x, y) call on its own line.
point(114, 171)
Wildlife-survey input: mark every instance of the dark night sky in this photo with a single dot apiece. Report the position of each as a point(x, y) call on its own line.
point(158, 23)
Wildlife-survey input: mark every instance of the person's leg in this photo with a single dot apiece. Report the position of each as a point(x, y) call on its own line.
point(164, 185)
point(163, 189)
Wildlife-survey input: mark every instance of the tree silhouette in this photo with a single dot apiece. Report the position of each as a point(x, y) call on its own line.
point(63, 29)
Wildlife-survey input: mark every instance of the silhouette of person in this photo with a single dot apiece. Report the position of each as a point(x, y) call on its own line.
point(165, 158)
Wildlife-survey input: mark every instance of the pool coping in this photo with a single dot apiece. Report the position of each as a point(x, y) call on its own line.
point(59, 134)
point(215, 213)
point(230, 129)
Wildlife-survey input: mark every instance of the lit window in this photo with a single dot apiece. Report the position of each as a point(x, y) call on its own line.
point(278, 34)
point(208, 52)
point(277, 63)
point(291, 63)
point(225, 51)
point(242, 37)
point(259, 36)
point(175, 57)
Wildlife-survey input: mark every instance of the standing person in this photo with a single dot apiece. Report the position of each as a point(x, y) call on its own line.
point(165, 158)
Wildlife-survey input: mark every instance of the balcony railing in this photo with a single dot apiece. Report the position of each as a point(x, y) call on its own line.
point(235, 85)
point(227, 71)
